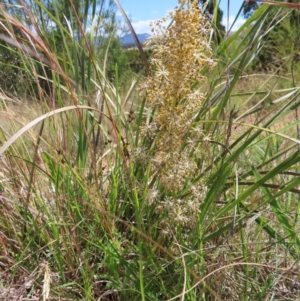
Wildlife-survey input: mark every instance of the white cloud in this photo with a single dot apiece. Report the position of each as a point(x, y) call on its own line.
point(144, 26)
point(239, 22)
point(118, 14)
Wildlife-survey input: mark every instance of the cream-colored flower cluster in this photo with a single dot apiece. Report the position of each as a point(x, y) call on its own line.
point(181, 52)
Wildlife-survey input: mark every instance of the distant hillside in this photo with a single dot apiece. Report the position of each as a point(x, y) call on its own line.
point(128, 40)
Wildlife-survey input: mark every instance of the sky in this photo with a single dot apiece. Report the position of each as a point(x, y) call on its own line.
point(142, 12)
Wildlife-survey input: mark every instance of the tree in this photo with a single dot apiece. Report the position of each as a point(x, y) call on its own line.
point(249, 8)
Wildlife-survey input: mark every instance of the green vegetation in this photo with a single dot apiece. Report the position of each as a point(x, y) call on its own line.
point(181, 184)
point(280, 48)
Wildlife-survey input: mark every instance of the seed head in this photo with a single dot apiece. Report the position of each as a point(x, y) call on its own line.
point(181, 53)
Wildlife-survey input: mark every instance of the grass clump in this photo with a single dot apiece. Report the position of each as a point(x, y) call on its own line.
point(181, 188)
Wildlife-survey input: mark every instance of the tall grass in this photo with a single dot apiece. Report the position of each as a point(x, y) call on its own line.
point(184, 188)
